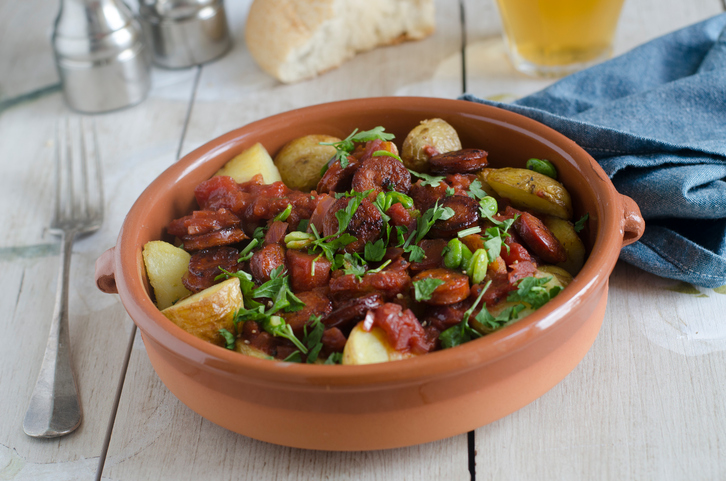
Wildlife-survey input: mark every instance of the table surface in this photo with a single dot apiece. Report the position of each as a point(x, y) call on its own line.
point(647, 401)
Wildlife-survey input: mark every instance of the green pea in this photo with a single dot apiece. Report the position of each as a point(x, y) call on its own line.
point(542, 166)
point(488, 206)
point(453, 256)
point(478, 266)
point(465, 257)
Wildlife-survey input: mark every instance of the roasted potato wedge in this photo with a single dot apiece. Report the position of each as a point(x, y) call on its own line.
point(369, 347)
point(565, 233)
point(165, 266)
point(482, 177)
point(243, 348)
point(203, 314)
point(249, 163)
point(527, 189)
point(300, 161)
point(560, 277)
point(431, 135)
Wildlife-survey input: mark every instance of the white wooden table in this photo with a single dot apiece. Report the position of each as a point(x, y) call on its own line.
point(647, 402)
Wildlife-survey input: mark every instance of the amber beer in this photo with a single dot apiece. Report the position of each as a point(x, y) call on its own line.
point(556, 37)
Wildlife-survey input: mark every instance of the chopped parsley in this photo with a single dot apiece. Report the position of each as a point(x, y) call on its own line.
point(426, 179)
point(424, 288)
point(532, 290)
point(344, 147)
point(580, 224)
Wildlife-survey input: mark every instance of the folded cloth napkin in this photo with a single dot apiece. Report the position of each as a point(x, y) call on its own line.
point(655, 120)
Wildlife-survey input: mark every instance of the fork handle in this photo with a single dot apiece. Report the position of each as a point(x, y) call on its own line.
point(54, 408)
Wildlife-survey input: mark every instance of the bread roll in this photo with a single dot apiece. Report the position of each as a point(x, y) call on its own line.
point(297, 39)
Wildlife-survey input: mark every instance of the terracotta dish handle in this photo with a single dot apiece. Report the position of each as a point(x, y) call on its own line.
point(105, 275)
point(633, 222)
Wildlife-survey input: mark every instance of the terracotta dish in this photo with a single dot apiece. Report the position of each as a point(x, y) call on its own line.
point(397, 403)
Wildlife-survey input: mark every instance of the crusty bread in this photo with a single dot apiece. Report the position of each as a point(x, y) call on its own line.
point(297, 39)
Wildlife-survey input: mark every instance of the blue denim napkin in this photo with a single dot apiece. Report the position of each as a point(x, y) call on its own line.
point(655, 120)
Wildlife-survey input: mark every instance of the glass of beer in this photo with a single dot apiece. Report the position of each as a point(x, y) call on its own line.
point(552, 38)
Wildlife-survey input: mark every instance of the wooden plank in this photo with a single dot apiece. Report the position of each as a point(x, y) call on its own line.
point(645, 403)
point(136, 145)
point(157, 436)
point(25, 47)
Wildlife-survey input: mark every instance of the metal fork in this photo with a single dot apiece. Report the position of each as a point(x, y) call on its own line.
point(54, 408)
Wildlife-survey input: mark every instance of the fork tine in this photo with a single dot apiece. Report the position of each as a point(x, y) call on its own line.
point(84, 203)
point(99, 173)
point(68, 168)
point(58, 179)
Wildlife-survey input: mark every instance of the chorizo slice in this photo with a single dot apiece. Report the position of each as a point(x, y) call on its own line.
point(425, 196)
point(316, 304)
point(266, 260)
point(204, 267)
point(455, 287)
point(365, 225)
point(432, 249)
point(202, 222)
point(221, 237)
point(307, 271)
point(462, 161)
point(333, 341)
point(466, 214)
point(338, 178)
point(540, 239)
point(382, 174)
point(348, 313)
point(388, 283)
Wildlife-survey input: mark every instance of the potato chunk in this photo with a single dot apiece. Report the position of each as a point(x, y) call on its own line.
point(244, 348)
point(165, 266)
point(370, 347)
point(527, 189)
point(301, 160)
point(430, 137)
point(205, 313)
point(565, 233)
point(249, 163)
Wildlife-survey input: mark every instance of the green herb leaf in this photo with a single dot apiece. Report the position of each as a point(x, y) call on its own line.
point(450, 191)
point(229, 338)
point(277, 326)
point(492, 323)
point(469, 231)
point(334, 358)
point(462, 332)
point(424, 288)
point(294, 357)
point(282, 216)
point(350, 263)
point(347, 145)
point(313, 338)
point(246, 255)
point(374, 252)
point(379, 153)
point(532, 291)
point(416, 253)
point(426, 179)
point(580, 224)
point(476, 191)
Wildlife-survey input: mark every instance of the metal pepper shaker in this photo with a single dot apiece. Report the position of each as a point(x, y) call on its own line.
point(183, 33)
point(101, 55)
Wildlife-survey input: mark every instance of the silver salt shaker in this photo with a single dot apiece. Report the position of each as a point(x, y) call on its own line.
point(183, 33)
point(101, 55)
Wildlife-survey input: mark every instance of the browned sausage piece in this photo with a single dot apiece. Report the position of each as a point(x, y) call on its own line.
point(540, 239)
point(221, 237)
point(382, 174)
point(454, 289)
point(348, 313)
point(387, 282)
point(466, 214)
point(337, 178)
point(316, 304)
point(267, 259)
point(303, 275)
point(432, 249)
point(365, 225)
point(333, 341)
point(204, 267)
point(202, 222)
point(425, 196)
point(459, 162)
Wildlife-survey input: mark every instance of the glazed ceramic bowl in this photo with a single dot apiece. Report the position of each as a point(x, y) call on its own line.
point(397, 403)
